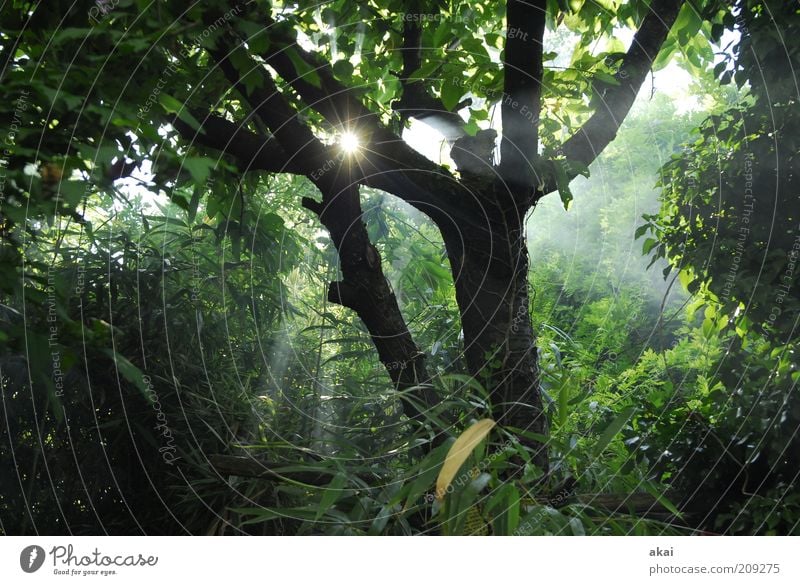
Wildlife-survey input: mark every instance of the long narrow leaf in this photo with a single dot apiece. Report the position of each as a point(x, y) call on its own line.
point(611, 430)
point(459, 453)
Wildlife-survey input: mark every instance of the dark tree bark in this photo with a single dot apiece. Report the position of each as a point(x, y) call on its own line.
point(364, 289)
point(522, 91)
point(490, 261)
point(490, 270)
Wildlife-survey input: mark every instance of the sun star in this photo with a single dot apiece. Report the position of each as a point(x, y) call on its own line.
point(349, 142)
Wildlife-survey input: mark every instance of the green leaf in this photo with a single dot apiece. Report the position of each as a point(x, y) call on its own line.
point(577, 526)
point(665, 54)
point(662, 499)
point(304, 71)
point(249, 71)
point(173, 106)
point(471, 127)
point(504, 507)
point(424, 475)
point(70, 101)
point(442, 33)
point(648, 245)
point(169, 103)
point(562, 183)
point(612, 430)
point(688, 23)
point(606, 78)
point(199, 167)
point(425, 72)
point(343, 70)
point(256, 35)
point(563, 403)
point(577, 168)
point(330, 494)
point(194, 202)
point(130, 372)
point(451, 94)
point(72, 192)
point(380, 521)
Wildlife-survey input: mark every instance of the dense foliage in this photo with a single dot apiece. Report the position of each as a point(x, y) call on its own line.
point(172, 361)
point(728, 224)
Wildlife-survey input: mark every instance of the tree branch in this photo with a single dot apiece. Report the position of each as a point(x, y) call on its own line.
point(522, 89)
point(587, 143)
point(294, 137)
point(258, 153)
point(385, 161)
point(412, 177)
point(416, 101)
point(364, 287)
point(253, 151)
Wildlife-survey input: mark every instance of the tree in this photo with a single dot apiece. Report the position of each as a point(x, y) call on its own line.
point(218, 96)
point(729, 218)
point(728, 225)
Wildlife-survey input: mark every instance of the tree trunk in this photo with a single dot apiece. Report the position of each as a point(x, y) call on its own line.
point(490, 269)
point(364, 289)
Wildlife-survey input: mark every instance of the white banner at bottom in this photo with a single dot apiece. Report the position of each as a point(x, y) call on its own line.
point(398, 560)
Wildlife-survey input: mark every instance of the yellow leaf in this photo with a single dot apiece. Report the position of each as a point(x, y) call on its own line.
point(459, 452)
